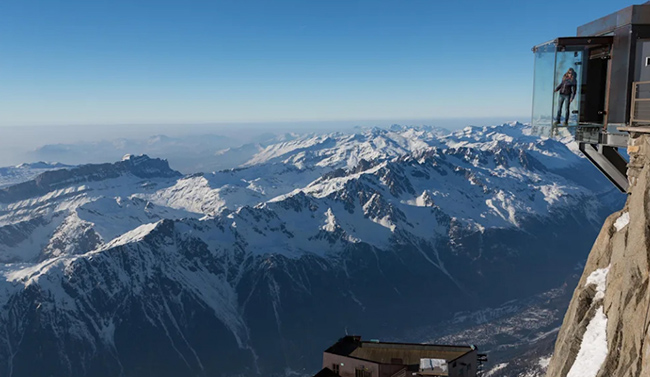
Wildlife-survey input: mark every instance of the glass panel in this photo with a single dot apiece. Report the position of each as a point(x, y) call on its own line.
point(566, 99)
point(543, 96)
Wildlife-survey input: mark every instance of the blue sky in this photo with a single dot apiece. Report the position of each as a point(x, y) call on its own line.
point(110, 62)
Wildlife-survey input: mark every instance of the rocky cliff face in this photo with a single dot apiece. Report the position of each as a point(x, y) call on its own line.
point(605, 330)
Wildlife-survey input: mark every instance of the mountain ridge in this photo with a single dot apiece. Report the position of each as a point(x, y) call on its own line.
point(140, 166)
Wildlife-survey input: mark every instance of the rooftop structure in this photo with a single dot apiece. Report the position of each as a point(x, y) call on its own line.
point(352, 357)
point(596, 86)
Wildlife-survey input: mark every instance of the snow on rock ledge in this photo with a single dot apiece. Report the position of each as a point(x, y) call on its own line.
point(606, 328)
point(622, 221)
point(593, 349)
point(599, 278)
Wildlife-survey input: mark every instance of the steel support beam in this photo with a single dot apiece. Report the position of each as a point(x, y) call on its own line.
point(609, 162)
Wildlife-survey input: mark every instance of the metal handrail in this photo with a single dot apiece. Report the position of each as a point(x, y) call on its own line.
point(636, 102)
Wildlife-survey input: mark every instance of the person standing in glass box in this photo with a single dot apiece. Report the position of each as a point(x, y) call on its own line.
point(567, 88)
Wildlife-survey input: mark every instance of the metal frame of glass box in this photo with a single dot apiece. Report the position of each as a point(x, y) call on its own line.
point(611, 57)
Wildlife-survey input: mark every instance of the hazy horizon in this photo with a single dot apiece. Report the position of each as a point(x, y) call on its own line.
point(18, 143)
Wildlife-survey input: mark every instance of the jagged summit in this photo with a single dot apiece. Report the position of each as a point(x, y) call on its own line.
point(343, 150)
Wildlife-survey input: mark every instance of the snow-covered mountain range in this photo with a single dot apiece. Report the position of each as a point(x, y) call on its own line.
point(132, 268)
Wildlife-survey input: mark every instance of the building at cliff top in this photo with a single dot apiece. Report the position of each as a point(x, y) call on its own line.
point(352, 357)
point(596, 86)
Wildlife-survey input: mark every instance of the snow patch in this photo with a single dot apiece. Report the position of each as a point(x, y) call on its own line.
point(599, 278)
point(622, 221)
point(132, 236)
point(543, 362)
point(552, 193)
point(496, 368)
point(330, 221)
point(593, 349)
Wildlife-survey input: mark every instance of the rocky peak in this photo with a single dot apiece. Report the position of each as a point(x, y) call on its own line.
point(145, 167)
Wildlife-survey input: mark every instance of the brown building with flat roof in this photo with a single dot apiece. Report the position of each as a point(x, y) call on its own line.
point(352, 357)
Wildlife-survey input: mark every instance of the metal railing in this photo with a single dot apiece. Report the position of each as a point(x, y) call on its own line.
point(640, 111)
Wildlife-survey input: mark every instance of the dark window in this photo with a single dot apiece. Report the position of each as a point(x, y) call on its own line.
point(362, 372)
point(335, 368)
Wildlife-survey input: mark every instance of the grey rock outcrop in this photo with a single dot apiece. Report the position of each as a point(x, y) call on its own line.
point(622, 251)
